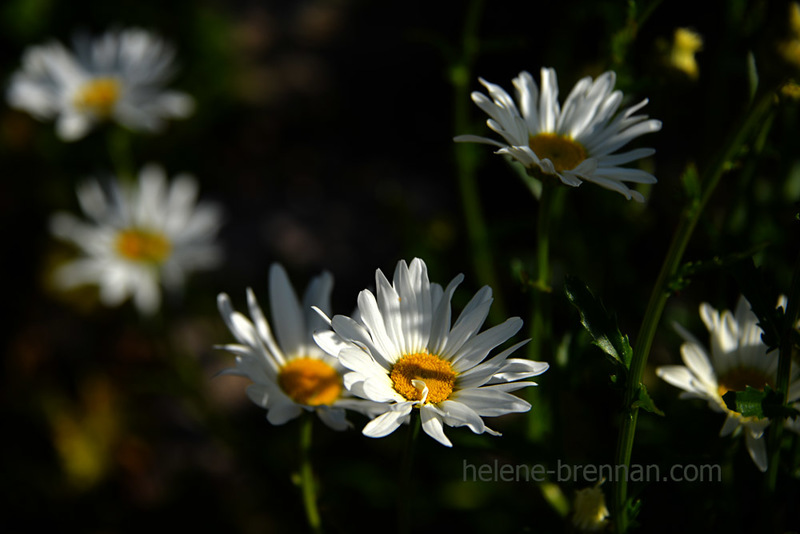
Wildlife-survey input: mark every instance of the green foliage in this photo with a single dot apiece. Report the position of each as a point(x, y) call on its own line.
point(599, 323)
point(691, 269)
point(645, 402)
point(754, 402)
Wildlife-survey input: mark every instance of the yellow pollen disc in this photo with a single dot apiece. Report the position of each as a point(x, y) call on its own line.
point(310, 382)
point(437, 374)
point(739, 378)
point(98, 96)
point(143, 245)
point(565, 153)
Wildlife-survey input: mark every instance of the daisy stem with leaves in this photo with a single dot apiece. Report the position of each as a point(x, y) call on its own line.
point(307, 474)
point(786, 351)
point(756, 114)
point(540, 316)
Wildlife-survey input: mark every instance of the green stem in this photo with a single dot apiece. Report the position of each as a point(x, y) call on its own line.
point(791, 315)
point(658, 298)
point(540, 344)
point(405, 495)
point(477, 233)
point(119, 151)
point(307, 474)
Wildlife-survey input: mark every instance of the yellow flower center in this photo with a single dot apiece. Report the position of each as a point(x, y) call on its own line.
point(310, 382)
point(565, 153)
point(739, 378)
point(143, 245)
point(98, 96)
point(436, 374)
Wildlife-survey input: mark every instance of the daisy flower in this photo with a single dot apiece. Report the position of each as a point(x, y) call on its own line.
point(138, 236)
point(290, 373)
point(118, 76)
point(738, 359)
point(576, 143)
point(403, 352)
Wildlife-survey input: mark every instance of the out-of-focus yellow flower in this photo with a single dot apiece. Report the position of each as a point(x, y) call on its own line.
point(85, 435)
point(590, 511)
point(789, 48)
point(685, 44)
point(791, 90)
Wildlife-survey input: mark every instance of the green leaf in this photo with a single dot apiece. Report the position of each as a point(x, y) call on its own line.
point(754, 402)
point(747, 402)
point(645, 402)
point(599, 323)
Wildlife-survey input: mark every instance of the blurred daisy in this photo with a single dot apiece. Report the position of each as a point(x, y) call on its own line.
point(576, 143)
point(290, 374)
point(738, 359)
point(138, 237)
point(118, 76)
point(403, 353)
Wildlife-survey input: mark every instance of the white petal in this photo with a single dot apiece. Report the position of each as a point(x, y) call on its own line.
point(732, 422)
point(491, 402)
point(385, 424)
point(286, 313)
point(432, 425)
point(440, 326)
point(335, 418)
point(477, 348)
point(318, 293)
point(282, 412)
point(758, 451)
point(459, 414)
point(71, 127)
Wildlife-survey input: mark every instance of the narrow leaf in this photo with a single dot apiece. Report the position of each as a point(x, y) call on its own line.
point(645, 402)
point(598, 322)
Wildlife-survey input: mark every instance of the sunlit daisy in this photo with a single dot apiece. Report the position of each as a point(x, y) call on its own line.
point(738, 359)
point(290, 373)
point(118, 76)
point(138, 237)
point(403, 352)
point(576, 143)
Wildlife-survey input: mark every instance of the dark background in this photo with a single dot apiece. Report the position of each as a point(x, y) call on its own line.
point(325, 129)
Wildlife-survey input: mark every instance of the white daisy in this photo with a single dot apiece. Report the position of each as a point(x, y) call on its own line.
point(576, 143)
point(738, 359)
point(290, 374)
point(403, 353)
point(118, 76)
point(138, 236)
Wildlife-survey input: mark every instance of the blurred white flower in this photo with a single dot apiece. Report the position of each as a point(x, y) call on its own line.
point(118, 76)
point(576, 143)
point(402, 352)
point(290, 374)
point(738, 359)
point(138, 236)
